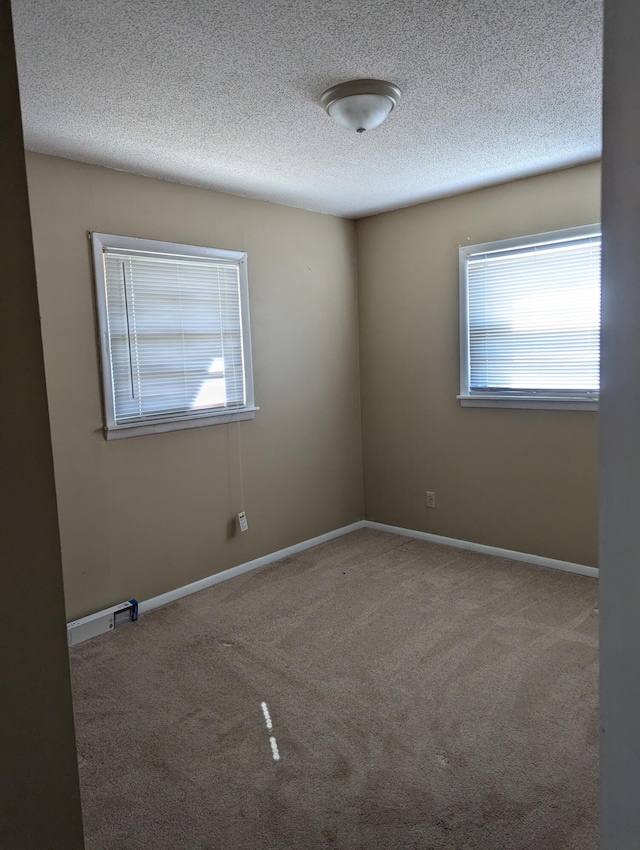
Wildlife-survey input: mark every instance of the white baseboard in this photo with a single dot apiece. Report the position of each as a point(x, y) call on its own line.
point(209, 581)
point(179, 592)
point(538, 560)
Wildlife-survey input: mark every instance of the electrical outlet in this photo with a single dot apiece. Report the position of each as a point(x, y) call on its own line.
point(431, 499)
point(242, 521)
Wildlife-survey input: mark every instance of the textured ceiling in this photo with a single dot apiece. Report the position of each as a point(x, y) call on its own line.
point(225, 94)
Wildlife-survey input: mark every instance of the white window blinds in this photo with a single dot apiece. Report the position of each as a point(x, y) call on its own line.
point(533, 319)
point(175, 335)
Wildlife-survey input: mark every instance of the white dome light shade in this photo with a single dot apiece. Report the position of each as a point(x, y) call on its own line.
point(360, 105)
point(360, 112)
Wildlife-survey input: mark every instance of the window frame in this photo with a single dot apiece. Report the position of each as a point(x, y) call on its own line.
point(533, 400)
point(113, 430)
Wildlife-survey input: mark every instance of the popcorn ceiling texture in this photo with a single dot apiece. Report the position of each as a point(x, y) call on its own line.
point(225, 95)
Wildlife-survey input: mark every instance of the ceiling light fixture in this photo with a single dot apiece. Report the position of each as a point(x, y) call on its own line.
point(360, 104)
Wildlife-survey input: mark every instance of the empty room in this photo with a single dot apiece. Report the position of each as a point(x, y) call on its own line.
point(319, 299)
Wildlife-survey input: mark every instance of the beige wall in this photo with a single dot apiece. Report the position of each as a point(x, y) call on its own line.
point(39, 776)
point(144, 515)
point(619, 587)
point(518, 479)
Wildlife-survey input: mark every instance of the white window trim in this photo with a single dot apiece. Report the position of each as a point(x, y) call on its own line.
point(152, 425)
point(523, 402)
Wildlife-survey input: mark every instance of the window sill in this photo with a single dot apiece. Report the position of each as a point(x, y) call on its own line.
point(529, 403)
point(138, 429)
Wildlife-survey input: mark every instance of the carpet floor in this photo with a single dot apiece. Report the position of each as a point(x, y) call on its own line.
point(419, 696)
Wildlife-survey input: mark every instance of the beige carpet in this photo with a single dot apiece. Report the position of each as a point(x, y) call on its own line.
point(420, 697)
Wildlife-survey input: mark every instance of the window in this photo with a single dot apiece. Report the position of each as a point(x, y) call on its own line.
point(530, 321)
point(174, 335)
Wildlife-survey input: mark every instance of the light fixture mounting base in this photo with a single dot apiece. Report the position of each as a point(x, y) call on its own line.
point(365, 86)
